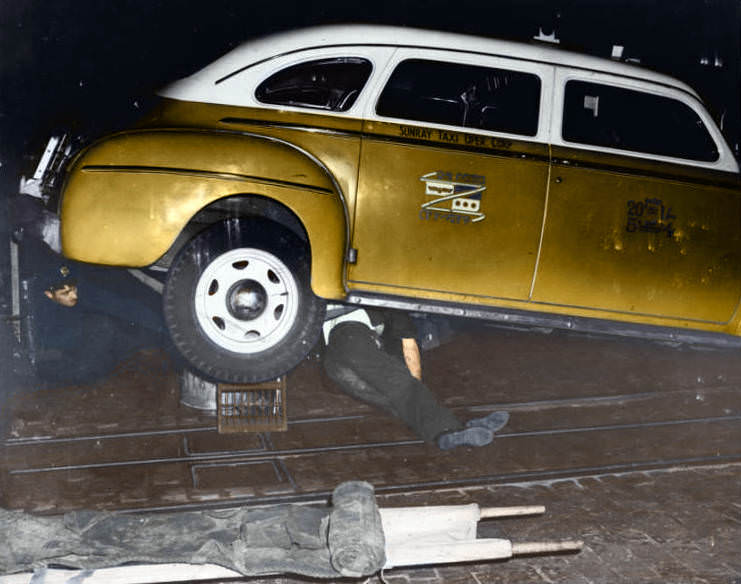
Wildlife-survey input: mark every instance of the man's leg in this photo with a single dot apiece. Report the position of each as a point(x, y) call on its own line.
point(354, 361)
point(354, 386)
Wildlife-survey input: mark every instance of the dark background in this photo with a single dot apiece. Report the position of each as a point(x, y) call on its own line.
point(89, 65)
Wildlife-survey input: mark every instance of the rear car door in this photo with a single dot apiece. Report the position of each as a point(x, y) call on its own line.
point(452, 179)
point(641, 219)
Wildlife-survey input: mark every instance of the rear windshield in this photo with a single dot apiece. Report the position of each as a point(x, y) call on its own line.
point(327, 84)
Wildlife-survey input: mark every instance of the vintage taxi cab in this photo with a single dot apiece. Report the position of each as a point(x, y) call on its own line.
point(419, 170)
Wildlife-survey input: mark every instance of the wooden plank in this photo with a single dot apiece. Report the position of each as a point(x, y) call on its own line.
point(126, 575)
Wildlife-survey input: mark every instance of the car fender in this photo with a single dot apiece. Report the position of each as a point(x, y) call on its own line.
point(128, 196)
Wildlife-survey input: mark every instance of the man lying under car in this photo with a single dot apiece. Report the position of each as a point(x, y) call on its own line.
point(79, 342)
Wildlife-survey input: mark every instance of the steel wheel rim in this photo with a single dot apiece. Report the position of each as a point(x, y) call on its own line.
point(246, 300)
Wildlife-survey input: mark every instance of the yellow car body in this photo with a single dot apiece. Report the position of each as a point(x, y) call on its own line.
point(533, 226)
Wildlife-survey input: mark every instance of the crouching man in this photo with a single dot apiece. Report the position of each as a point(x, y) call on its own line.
point(79, 344)
point(373, 356)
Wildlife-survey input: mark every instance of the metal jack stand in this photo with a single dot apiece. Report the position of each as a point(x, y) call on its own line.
point(244, 407)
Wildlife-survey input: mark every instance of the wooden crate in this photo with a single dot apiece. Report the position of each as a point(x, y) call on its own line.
point(252, 407)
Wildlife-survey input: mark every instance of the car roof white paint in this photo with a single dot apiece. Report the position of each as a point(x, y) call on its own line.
point(258, 50)
point(204, 85)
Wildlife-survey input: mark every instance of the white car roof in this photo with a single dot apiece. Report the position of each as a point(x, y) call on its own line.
point(264, 48)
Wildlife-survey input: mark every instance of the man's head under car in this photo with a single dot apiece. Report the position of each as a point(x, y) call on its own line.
point(63, 293)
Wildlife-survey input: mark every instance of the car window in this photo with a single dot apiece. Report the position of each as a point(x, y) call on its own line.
point(615, 117)
point(462, 95)
point(327, 84)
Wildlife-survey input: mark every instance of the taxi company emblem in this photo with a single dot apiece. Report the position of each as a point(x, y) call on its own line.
point(452, 197)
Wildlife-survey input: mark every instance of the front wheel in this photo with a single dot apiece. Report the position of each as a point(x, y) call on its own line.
point(238, 302)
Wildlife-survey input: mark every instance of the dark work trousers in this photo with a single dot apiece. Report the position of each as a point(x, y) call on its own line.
point(355, 361)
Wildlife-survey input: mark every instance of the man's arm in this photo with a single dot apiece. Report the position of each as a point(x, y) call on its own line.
point(412, 358)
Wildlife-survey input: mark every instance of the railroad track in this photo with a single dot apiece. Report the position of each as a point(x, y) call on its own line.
point(553, 439)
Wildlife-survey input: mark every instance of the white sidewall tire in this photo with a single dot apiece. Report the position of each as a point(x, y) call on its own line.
point(278, 345)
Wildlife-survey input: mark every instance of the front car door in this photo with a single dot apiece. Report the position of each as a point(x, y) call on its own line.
point(643, 212)
point(453, 175)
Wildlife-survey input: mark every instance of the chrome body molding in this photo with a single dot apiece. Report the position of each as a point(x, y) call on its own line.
point(541, 320)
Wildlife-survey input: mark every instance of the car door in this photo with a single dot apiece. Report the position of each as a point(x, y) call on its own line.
point(452, 179)
point(641, 220)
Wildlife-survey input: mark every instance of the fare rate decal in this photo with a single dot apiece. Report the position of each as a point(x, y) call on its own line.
point(650, 215)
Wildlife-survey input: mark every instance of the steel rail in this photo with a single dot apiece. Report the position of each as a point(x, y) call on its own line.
point(507, 479)
point(253, 455)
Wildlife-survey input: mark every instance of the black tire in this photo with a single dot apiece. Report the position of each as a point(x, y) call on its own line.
point(238, 303)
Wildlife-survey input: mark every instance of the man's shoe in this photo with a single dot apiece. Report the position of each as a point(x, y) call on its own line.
point(473, 436)
point(493, 422)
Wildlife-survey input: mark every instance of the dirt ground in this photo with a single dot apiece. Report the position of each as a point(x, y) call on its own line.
point(634, 447)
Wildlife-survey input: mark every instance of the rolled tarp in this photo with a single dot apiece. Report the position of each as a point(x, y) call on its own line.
point(315, 541)
point(355, 537)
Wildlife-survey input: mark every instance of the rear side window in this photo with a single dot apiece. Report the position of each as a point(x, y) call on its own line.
point(463, 95)
point(326, 84)
point(603, 115)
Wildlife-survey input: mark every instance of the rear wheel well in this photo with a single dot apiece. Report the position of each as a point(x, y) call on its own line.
point(235, 206)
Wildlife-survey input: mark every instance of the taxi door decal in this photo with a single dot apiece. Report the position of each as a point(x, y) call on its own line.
point(452, 197)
